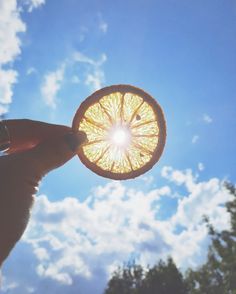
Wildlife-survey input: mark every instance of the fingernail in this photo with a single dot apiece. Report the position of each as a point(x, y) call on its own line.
point(74, 140)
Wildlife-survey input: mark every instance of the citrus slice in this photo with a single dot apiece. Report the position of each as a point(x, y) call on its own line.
point(126, 132)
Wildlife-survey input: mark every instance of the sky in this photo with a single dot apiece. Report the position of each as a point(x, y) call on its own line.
point(54, 54)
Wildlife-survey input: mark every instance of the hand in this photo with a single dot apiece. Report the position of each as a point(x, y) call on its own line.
point(36, 148)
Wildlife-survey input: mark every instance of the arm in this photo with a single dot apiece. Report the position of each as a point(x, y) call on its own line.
point(35, 149)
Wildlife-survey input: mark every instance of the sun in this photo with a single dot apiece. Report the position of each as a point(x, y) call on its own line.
point(120, 136)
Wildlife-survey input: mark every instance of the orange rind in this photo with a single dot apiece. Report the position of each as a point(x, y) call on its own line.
point(126, 132)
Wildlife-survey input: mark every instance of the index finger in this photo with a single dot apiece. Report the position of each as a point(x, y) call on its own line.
point(25, 133)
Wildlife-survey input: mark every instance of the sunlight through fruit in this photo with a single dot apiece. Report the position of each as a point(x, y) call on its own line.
point(126, 131)
point(120, 136)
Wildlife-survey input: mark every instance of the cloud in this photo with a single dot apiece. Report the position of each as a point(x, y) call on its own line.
point(72, 246)
point(95, 76)
point(75, 79)
point(179, 177)
point(7, 79)
point(102, 25)
point(195, 139)
point(10, 27)
point(95, 79)
point(31, 70)
point(201, 166)
point(51, 85)
point(148, 180)
point(33, 4)
point(207, 119)
point(92, 76)
point(80, 57)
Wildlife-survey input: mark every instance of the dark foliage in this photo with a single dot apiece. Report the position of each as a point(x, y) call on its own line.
point(218, 274)
point(164, 278)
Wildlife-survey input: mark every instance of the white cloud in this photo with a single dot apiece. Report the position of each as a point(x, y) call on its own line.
point(75, 79)
point(95, 76)
point(10, 27)
point(205, 198)
point(148, 180)
point(51, 85)
point(33, 4)
point(95, 79)
point(83, 32)
point(179, 177)
point(73, 245)
point(195, 139)
point(207, 119)
point(80, 57)
point(201, 166)
point(31, 70)
point(6, 287)
point(7, 79)
point(102, 25)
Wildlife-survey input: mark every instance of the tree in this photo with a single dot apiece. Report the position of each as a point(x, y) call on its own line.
point(218, 274)
point(126, 280)
point(163, 278)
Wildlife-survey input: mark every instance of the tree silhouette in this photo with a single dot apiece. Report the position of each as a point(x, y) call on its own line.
point(163, 278)
point(218, 274)
point(126, 280)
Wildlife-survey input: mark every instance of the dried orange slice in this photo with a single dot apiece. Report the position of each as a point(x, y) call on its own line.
point(126, 131)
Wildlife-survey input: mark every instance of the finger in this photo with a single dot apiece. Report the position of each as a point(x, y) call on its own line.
point(25, 134)
point(54, 152)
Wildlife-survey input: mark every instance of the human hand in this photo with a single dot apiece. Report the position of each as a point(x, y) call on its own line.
point(35, 149)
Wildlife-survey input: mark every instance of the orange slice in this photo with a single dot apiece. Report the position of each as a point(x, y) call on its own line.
point(126, 132)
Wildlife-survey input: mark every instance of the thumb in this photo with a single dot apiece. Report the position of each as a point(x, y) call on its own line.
point(56, 151)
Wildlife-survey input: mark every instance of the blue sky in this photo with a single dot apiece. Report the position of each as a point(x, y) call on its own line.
point(53, 55)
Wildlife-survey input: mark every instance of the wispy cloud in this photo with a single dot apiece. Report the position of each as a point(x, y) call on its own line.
point(51, 85)
point(75, 79)
point(195, 138)
point(95, 75)
point(201, 166)
point(207, 119)
point(33, 4)
point(73, 243)
point(80, 57)
point(31, 70)
point(102, 25)
point(95, 79)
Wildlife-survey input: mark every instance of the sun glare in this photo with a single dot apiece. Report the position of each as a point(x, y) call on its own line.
point(119, 136)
